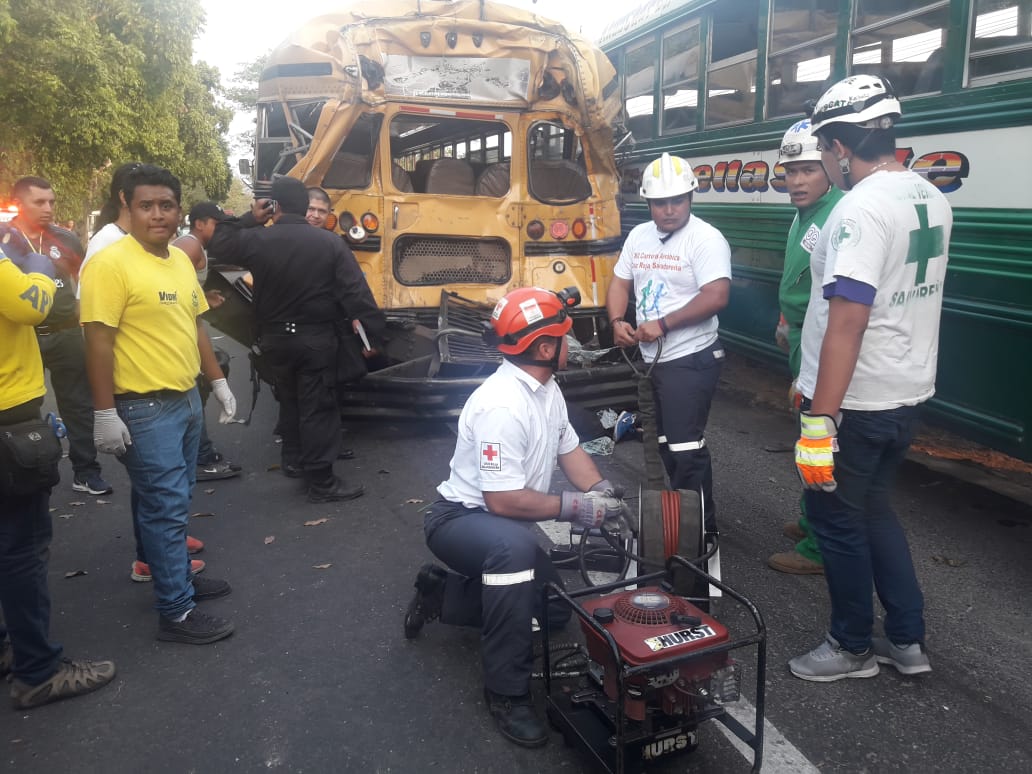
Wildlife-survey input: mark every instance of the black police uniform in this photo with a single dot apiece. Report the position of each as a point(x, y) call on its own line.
point(306, 282)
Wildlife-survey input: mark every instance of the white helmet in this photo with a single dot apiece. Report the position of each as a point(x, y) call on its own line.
point(867, 101)
point(799, 144)
point(667, 176)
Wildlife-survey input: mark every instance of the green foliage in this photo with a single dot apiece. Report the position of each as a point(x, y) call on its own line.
point(89, 84)
point(242, 90)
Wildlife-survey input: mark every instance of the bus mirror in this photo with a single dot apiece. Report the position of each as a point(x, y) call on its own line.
point(244, 165)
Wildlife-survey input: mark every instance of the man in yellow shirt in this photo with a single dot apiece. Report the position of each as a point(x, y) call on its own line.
point(145, 344)
point(40, 674)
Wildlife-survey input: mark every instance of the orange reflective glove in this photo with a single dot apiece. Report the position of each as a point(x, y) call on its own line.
point(814, 451)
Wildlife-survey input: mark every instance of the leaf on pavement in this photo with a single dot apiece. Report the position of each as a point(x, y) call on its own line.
point(103, 502)
point(64, 515)
point(75, 573)
point(383, 471)
point(316, 522)
point(274, 466)
point(201, 515)
point(209, 491)
point(76, 503)
point(322, 566)
point(413, 501)
point(269, 539)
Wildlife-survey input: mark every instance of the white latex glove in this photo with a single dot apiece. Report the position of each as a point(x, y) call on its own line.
point(110, 435)
point(220, 389)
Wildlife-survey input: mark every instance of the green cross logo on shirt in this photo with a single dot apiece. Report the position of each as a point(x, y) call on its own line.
point(925, 243)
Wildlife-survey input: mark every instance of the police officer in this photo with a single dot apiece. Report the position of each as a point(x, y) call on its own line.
point(677, 268)
point(511, 432)
point(40, 674)
point(306, 280)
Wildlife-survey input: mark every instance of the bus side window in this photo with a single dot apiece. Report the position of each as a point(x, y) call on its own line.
point(452, 177)
point(494, 181)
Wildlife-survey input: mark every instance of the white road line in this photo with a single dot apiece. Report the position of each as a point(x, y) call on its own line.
point(780, 756)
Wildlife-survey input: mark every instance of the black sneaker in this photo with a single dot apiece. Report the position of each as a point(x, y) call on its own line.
point(214, 471)
point(334, 492)
point(232, 465)
point(516, 718)
point(196, 629)
point(427, 602)
point(209, 588)
point(93, 484)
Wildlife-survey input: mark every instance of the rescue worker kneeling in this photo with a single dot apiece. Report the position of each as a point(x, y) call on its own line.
point(511, 432)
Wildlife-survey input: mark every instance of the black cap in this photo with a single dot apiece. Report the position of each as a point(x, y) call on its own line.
point(291, 195)
point(205, 211)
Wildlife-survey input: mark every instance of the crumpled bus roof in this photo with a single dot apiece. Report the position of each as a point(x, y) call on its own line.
point(330, 57)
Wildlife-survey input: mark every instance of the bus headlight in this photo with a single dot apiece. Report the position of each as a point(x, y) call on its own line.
point(535, 229)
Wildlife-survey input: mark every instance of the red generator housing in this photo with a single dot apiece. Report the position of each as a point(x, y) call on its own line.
point(651, 625)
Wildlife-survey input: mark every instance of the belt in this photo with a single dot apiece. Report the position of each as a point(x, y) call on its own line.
point(290, 328)
point(46, 330)
point(153, 395)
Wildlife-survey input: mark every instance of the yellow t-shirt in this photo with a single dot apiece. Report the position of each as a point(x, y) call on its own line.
point(25, 301)
point(154, 304)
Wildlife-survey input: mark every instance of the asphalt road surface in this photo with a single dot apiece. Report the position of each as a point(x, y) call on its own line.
point(318, 677)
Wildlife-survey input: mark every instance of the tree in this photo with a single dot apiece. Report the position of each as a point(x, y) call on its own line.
point(92, 83)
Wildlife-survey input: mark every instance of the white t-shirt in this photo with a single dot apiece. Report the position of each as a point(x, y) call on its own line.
point(668, 275)
point(107, 235)
point(892, 232)
point(511, 431)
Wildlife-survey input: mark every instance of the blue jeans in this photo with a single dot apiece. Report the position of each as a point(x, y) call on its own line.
point(860, 536)
point(25, 532)
point(162, 467)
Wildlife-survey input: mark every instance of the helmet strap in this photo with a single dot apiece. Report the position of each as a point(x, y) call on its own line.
point(553, 363)
point(663, 239)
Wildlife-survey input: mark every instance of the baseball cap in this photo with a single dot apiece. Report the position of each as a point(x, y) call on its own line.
point(205, 211)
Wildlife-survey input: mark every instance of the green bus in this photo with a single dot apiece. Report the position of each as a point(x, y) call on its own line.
point(719, 81)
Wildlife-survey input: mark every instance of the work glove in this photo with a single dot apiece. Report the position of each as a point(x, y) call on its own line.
point(220, 389)
point(110, 435)
point(814, 451)
point(613, 522)
point(34, 263)
point(589, 509)
point(781, 334)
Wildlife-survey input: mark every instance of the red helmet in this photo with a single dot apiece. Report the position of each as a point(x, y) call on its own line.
point(526, 314)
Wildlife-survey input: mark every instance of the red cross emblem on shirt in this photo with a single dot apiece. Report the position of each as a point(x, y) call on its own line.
point(490, 456)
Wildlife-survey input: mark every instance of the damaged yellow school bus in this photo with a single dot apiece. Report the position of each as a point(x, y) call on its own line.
point(467, 149)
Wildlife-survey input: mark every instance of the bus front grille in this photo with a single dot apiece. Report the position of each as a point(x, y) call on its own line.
point(436, 260)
